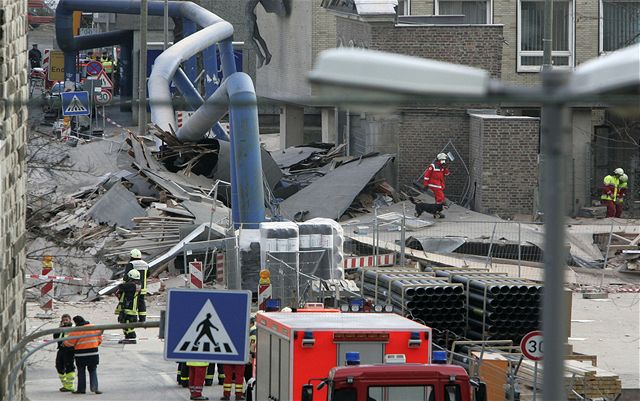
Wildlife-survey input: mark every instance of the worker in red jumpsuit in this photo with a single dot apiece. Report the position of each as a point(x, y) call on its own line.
point(233, 378)
point(434, 177)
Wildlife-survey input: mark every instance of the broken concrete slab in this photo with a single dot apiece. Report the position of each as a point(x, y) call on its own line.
point(331, 195)
point(294, 155)
point(117, 206)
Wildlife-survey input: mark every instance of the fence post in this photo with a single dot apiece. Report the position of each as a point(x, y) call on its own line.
point(489, 258)
point(519, 249)
point(403, 235)
point(606, 256)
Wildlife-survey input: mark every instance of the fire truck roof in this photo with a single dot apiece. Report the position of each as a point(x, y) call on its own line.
point(341, 321)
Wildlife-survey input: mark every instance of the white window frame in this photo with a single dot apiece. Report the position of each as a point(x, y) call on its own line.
point(489, 9)
point(601, 30)
point(408, 7)
point(561, 53)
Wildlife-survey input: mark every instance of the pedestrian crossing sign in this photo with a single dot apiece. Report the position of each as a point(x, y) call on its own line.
point(75, 104)
point(207, 325)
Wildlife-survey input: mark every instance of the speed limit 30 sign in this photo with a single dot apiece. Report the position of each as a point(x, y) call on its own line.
point(532, 345)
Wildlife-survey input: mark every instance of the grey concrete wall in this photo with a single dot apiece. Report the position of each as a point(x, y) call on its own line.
point(503, 163)
point(13, 142)
point(294, 41)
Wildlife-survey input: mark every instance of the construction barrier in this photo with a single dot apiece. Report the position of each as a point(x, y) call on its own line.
point(46, 292)
point(196, 274)
point(220, 268)
point(356, 262)
point(264, 289)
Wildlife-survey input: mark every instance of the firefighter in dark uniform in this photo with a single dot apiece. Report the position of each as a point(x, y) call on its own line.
point(64, 358)
point(127, 309)
point(142, 267)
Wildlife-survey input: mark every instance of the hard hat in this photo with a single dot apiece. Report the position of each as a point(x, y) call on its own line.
point(134, 274)
point(286, 309)
point(441, 156)
point(618, 171)
point(624, 178)
point(136, 254)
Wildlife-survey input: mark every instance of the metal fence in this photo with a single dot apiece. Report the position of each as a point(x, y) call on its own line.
point(510, 247)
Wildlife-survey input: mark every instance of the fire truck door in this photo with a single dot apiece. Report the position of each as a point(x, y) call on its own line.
point(370, 353)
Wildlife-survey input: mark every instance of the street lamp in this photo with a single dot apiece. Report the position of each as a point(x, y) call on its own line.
point(345, 71)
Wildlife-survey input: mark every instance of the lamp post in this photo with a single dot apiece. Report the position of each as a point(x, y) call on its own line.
point(358, 76)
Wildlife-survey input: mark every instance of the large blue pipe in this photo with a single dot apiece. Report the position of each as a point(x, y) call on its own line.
point(248, 193)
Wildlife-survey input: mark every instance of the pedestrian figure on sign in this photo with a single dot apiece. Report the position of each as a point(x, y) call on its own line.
point(206, 330)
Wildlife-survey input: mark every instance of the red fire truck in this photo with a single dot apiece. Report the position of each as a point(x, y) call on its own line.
point(296, 348)
point(301, 356)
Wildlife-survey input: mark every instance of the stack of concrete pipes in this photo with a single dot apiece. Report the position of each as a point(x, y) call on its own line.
point(498, 307)
point(419, 295)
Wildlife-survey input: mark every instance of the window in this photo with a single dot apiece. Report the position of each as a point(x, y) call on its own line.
point(531, 31)
point(404, 7)
point(619, 24)
point(401, 393)
point(452, 392)
point(474, 11)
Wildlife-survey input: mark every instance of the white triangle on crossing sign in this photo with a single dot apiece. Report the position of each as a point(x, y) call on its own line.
point(105, 82)
point(75, 106)
point(206, 335)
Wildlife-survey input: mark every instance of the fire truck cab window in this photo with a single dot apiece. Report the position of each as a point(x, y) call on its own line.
point(402, 393)
point(345, 394)
point(452, 392)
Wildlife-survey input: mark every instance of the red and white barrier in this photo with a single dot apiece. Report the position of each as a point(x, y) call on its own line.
point(50, 277)
point(264, 293)
point(182, 117)
point(220, 268)
point(196, 274)
point(356, 262)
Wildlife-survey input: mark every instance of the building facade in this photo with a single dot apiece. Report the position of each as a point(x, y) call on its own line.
point(13, 143)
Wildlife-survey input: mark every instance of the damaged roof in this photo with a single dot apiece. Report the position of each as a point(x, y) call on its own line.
point(117, 206)
point(331, 195)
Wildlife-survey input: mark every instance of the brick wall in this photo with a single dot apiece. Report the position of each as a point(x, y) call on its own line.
point(473, 45)
point(422, 134)
point(13, 126)
point(503, 163)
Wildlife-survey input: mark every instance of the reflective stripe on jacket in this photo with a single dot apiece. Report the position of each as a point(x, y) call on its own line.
point(622, 191)
point(610, 188)
point(85, 346)
point(434, 175)
point(193, 363)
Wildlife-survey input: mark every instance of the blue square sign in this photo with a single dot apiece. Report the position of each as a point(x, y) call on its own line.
point(75, 104)
point(207, 325)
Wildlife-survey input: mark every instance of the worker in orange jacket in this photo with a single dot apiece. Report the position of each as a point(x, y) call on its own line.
point(86, 355)
point(434, 175)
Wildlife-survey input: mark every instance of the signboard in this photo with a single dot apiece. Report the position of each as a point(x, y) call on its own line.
point(75, 104)
point(56, 66)
point(532, 345)
point(207, 325)
point(94, 68)
point(103, 97)
point(105, 82)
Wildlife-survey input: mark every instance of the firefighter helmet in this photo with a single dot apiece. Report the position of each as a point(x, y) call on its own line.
point(624, 178)
point(136, 254)
point(441, 156)
point(618, 171)
point(134, 274)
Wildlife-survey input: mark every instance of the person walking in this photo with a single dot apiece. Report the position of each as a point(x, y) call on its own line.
point(197, 372)
point(86, 355)
point(127, 309)
point(610, 191)
point(141, 266)
point(622, 192)
point(233, 377)
point(64, 358)
point(434, 177)
point(35, 57)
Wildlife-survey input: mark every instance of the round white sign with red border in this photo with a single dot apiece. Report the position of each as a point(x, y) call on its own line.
point(532, 345)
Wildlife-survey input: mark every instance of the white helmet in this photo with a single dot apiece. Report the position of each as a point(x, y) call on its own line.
point(136, 254)
point(441, 156)
point(134, 274)
point(624, 178)
point(618, 171)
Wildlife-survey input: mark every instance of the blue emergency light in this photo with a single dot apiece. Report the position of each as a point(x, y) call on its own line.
point(272, 305)
point(352, 358)
point(439, 357)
